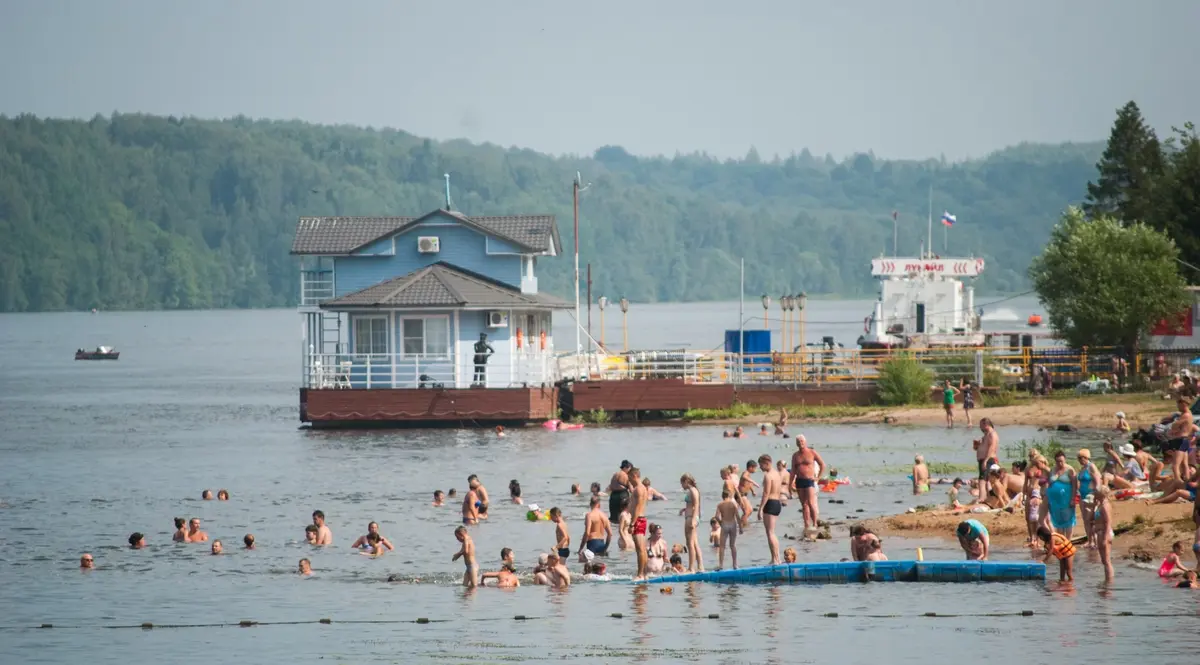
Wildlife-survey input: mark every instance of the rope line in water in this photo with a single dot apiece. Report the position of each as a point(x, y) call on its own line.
point(247, 623)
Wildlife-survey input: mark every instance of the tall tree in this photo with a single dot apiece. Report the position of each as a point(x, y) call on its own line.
point(1131, 165)
point(1179, 199)
point(1105, 283)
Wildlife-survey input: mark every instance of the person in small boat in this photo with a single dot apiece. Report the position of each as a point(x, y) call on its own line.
point(364, 541)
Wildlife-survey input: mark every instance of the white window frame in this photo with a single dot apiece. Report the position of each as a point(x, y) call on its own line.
point(356, 322)
point(425, 338)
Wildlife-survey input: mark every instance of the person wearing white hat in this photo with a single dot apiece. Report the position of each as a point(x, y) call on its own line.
point(1122, 424)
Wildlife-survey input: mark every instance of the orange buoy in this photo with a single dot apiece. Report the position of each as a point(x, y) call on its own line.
point(1035, 320)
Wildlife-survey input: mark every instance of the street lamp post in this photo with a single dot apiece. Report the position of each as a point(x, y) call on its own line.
point(602, 302)
point(624, 321)
point(801, 303)
point(766, 303)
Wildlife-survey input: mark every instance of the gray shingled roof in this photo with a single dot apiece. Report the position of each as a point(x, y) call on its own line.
point(443, 285)
point(343, 235)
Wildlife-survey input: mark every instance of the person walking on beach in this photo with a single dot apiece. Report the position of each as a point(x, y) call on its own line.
point(987, 449)
point(637, 510)
point(948, 394)
point(727, 516)
point(806, 463)
point(691, 521)
point(597, 530)
point(467, 554)
point(618, 492)
point(770, 507)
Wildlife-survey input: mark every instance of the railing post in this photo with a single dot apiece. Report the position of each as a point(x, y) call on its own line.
point(979, 367)
point(368, 370)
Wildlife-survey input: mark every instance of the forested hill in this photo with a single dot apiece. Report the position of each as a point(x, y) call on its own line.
point(145, 212)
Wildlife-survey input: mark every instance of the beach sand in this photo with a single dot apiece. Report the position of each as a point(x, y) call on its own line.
point(1141, 529)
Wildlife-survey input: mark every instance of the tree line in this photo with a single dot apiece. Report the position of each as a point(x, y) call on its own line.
point(138, 211)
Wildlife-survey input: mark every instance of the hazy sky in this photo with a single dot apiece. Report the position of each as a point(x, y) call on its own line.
point(914, 78)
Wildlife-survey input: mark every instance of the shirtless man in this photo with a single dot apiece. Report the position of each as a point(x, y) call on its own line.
point(467, 553)
point(804, 476)
point(770, 507)
point(746, 484)
point(439, 499)
point(324, 535)
point(920, 477)
point(727, 516)
point(562, 539)
point(637, 510)
point(1179, 440)
point(470, 510)
point(482, 502)
point(597, 531)
point(987, 449)
point(618, 491)
point(195, 535)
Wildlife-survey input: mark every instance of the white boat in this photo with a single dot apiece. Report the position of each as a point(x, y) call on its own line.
point(923, 302)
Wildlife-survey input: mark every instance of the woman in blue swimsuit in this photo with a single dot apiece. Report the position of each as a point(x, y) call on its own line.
point(1088, 476)
point(1060, 495)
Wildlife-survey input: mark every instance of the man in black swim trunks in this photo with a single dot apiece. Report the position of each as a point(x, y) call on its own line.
point(618, 492)
point(806, 468)
point(987, 451)
point(770, 506)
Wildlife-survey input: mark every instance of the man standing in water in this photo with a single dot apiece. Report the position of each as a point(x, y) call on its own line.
point(770, 506)
point(637, 510)
point(481, 501)
point(618, 492)
point(470, 514)
point(324, 535)
point(467, 553)
point(986, 450)
point(804, 474)
point(597, 532)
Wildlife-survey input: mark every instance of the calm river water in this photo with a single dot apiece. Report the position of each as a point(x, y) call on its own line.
point(92, 451)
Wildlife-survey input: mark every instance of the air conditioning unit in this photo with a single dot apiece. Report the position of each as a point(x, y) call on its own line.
point(497, 319)
point(428, 245)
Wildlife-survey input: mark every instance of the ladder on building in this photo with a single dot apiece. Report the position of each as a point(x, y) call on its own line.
point(331, 333)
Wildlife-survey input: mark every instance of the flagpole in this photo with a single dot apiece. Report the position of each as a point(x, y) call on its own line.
point(929, 246)
point(895, 234)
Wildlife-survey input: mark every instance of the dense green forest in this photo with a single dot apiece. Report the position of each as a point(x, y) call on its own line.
point(146, 212)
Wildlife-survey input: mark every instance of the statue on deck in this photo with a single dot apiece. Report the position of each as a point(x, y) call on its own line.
point(483, 351)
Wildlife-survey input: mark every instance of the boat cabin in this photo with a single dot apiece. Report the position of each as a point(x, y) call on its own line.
point(923, 302)
point(437, 301)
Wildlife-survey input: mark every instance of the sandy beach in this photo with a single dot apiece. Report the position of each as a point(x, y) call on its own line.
point(1140, 528)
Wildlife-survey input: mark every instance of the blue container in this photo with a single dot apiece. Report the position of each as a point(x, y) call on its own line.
point(757, 348)
point(855, 572)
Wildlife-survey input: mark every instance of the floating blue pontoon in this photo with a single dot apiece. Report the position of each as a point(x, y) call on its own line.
point(848, 572)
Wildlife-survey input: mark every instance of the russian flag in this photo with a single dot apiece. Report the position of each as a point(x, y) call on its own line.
point(948, 219)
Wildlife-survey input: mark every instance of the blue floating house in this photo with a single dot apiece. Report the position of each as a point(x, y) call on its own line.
point(401, 303)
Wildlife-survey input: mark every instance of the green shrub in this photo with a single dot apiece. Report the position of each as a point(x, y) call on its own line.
point(904, 380)
point(597, 417)
point(999, 398)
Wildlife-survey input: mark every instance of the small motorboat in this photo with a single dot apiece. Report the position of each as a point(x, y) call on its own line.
point(101, 353)
point(1035, 320)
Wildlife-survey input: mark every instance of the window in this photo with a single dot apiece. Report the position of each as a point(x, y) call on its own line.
point(426, 336)
point(370, 335)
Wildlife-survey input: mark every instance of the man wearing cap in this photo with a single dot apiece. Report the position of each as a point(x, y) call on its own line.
point(987, 448)
point(618, 492)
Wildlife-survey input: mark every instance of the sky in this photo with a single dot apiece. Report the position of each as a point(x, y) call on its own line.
point(904, 79)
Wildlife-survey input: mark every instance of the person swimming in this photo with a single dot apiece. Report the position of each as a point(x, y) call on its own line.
point(514, 491)
point(223, 495)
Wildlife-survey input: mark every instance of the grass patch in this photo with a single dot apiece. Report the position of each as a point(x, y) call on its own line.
point(1019, 450)
point(935, 468)
point(1000, 398)
point(745, 411)
point(596, 417)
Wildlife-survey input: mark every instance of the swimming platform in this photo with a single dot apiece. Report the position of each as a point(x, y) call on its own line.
point(847, 572)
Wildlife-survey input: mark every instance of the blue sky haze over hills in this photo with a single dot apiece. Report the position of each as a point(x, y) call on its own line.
point(905, 80)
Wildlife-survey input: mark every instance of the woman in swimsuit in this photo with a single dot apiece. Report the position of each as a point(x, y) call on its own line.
point(1102, 526)
point(1088, 477)
point(514, 491)
point(1060, 495)
point(656, 550)
point(691, 520)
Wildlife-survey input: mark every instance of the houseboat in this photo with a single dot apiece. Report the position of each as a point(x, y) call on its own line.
point(426, 320)
point(923, 302)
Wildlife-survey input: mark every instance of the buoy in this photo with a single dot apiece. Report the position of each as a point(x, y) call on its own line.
point(519, 617)
point(422, 620)
point(1026, 613)
point(147, 626)
point(46, 625)
point(714, 616)
point(326, 621)
point(831, 615)
point(246, 623)
point(617, 615)
point(931, 614)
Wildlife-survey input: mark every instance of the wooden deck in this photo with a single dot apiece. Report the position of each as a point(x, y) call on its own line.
point(425, 407)
point(680, 395)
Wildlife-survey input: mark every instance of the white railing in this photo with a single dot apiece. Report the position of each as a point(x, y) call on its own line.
point(316, 286)
point(349, 370)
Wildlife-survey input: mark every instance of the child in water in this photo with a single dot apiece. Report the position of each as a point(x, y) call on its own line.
point(1060, 547)
point(714, 534)
point(1172, 566)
